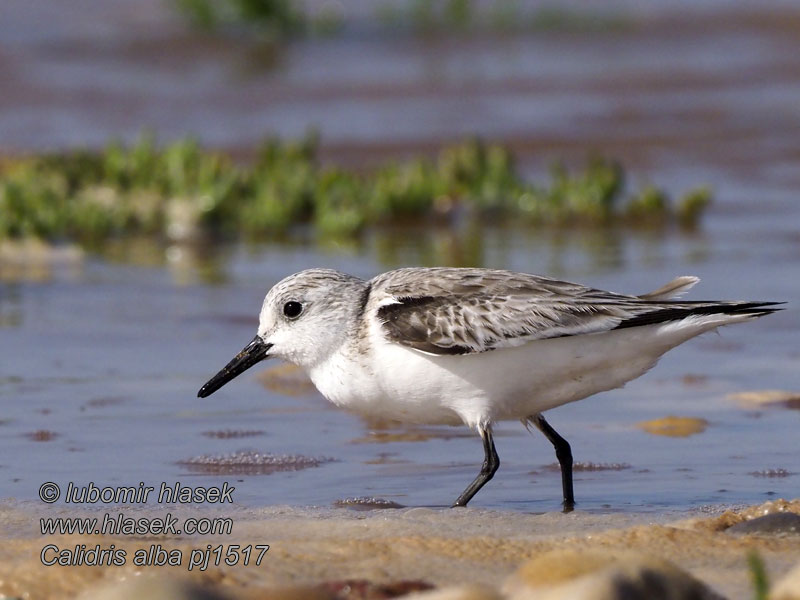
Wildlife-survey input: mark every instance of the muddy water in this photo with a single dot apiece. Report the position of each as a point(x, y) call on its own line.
point(102, 357)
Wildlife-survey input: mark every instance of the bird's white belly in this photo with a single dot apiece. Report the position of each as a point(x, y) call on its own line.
point(387, 392)
point(400, 383)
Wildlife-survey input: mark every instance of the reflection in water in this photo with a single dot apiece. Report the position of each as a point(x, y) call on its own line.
point(10, 305)
point(604, 248)
point(601, 249)
point(698, 251)
point(405, 433)
point(431, 246)
point(550, 251)
point(259, 57)
point(198, 261)
point(34, 260)
point(286, 379)
point(137, 251)
point(195, 263)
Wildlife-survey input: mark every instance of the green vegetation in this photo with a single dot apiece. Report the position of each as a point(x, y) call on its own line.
point(182, 191)
point(277, 19)
point(502, 15)
point(758, 574)
point(273, 18)
point(270, 20)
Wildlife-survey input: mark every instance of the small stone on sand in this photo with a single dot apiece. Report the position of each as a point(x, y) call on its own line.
point(779, 523)
point(152, 588)
point(592, 575)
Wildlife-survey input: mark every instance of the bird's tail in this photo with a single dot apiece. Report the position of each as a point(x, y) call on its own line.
point(674, 289)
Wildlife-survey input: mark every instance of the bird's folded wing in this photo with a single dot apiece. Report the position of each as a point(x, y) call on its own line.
point(464, 311)
point(457, 314)
point(465, 325)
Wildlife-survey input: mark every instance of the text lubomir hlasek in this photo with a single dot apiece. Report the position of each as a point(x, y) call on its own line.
point(140, 494)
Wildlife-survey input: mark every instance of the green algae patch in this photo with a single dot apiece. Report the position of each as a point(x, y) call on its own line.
point(181, 191)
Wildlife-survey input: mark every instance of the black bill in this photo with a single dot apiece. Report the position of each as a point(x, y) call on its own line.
point(256, 351)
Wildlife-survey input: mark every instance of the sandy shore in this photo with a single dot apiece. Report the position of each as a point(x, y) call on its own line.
point(442, 547)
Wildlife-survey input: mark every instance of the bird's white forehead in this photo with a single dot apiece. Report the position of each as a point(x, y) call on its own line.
point(311, 286)
point(304, 283)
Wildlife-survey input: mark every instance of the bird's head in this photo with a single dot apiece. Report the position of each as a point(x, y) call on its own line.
point(304, 319)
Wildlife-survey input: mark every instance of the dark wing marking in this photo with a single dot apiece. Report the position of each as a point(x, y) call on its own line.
point(364, 300)
point(664, 313)
point(409, 323)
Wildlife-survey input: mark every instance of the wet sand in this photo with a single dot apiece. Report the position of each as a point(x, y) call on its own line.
point(442, 547)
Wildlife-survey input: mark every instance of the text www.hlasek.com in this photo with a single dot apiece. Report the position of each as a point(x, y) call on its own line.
point(120, 524)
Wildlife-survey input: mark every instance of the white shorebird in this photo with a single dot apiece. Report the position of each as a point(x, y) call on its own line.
point(472, 346)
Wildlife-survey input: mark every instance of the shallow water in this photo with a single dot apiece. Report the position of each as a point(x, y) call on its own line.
point(108, 361)
point(102, 358)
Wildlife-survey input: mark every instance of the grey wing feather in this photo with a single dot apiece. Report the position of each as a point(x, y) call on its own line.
point(462, 311)
point(465, 311)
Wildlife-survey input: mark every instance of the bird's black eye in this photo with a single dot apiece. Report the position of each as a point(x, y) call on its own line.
point(292, 309)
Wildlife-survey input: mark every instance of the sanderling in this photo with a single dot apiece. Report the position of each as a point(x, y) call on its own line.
point(472, 346)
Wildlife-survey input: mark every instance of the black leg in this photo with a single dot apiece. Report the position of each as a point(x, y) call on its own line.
point(489, 468)
point(564, 455)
